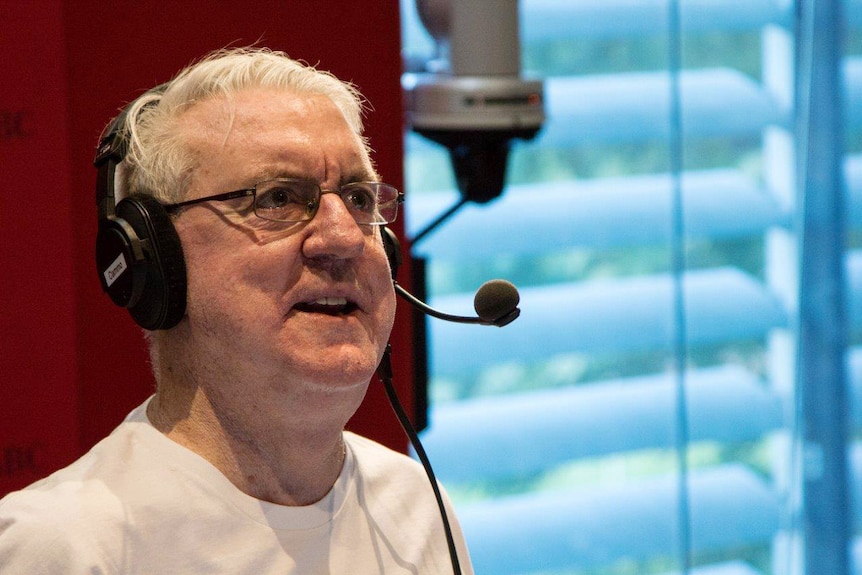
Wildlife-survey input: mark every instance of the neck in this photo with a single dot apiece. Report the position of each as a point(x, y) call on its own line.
point(273, 463)
point(275, 440)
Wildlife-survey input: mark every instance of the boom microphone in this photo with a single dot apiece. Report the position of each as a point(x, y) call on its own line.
point(495, 302)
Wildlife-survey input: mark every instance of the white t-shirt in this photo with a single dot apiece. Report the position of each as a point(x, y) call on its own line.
point(141, 503)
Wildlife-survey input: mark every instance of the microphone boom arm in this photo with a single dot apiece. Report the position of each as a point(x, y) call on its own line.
point(510, 310)
point(436, 313)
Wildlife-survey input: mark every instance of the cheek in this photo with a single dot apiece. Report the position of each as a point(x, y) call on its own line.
point(235, 275)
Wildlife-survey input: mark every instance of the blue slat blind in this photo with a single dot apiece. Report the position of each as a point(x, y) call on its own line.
point(555, 435)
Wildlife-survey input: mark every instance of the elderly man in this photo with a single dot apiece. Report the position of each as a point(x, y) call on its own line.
point(239, 463)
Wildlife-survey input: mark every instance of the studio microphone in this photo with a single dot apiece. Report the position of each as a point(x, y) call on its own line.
point(495, 302)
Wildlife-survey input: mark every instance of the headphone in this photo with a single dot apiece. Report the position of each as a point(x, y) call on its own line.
point(138, 252)
point(139, 256)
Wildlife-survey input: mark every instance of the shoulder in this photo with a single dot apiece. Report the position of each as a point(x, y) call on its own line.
point(54, 528)
point(397, 478)
point(375, 459)
point(65, 522)
point(396, 491)
point(76, 492)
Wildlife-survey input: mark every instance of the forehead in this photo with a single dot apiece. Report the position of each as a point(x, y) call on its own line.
point(273, 132)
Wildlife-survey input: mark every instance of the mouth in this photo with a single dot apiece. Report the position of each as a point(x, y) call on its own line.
point(334, 306)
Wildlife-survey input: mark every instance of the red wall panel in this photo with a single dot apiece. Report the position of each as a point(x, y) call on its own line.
point(72, 364)
point(38, 387)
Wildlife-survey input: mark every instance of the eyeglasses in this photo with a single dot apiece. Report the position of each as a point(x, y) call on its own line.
point(294, 200)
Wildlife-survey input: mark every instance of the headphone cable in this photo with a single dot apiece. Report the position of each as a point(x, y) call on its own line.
point(384, 371)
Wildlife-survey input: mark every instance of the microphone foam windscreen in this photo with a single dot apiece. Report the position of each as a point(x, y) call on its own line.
point(495, 299)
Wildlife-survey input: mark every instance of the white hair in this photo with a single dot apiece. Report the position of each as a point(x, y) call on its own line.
point(157, 162)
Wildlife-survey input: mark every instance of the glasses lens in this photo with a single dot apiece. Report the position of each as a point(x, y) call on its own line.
point(371, 202)
point(286, 200)
point(388, 199)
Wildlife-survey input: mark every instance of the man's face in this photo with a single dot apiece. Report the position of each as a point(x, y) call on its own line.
point(279, 304)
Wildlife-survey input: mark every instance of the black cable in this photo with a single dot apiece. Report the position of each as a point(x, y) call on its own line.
point(384, 371)
point(445, 215)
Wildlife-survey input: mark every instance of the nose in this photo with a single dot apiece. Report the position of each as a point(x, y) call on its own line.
point(333, 233)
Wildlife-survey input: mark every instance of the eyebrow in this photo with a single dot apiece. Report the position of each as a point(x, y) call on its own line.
point(363, 176)
point(360, 175)
point(278, 175)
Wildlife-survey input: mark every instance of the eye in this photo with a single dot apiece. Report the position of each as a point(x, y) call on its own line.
point(277, 197)
point(286, 201)
point(360, 197)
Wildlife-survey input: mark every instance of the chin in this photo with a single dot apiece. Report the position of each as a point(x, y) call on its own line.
point(328, 391)
point(346, 376)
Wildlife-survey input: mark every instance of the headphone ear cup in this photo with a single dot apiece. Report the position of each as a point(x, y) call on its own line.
point(158, 290)
point(392, 247)
point(120, 261)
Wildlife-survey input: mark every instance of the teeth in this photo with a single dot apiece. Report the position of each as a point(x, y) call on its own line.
point(331, 301)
